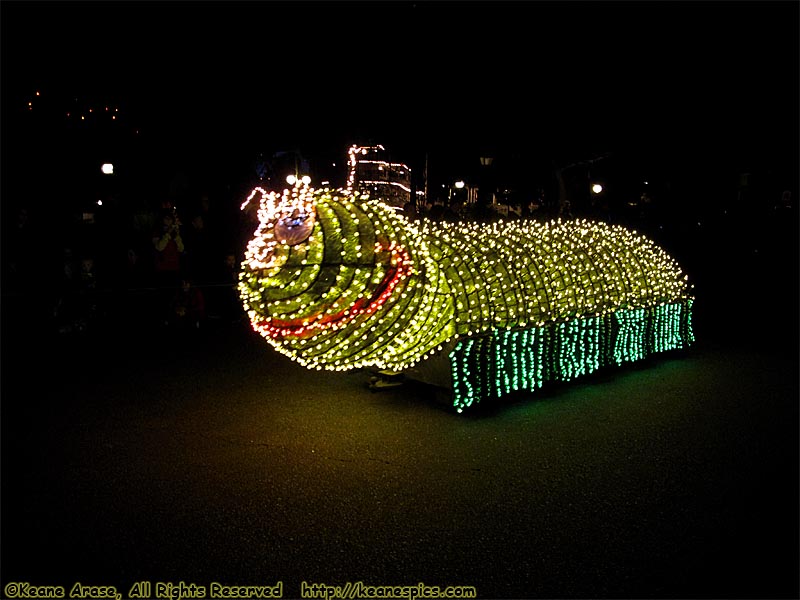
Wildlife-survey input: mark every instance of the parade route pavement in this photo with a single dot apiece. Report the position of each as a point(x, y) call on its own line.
point(209, 457)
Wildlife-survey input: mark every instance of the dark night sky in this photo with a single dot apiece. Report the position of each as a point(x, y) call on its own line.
point(713, 81)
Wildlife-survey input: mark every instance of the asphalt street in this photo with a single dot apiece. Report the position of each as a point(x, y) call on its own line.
point(207, 456)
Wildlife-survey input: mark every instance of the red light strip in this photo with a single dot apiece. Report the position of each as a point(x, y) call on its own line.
point(400, 268)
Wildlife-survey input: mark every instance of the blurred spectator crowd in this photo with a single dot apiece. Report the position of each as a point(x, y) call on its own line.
point(135, 268)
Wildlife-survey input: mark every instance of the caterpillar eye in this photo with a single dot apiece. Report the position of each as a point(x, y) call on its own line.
point(294, 228)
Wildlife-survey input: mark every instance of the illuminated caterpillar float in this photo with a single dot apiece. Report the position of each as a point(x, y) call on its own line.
point(340, 281)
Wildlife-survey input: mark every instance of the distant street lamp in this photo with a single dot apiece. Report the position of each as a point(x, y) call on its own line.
point(293, 179)
point(597, 188)
point(457, 185)
point(107, 168)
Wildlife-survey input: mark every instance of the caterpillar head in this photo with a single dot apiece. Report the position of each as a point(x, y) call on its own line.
point(322, 269)
point(285, 219)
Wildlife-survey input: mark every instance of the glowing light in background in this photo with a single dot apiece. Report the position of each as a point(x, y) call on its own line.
point(293, 179)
